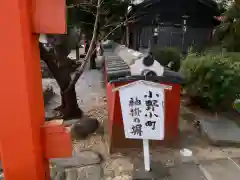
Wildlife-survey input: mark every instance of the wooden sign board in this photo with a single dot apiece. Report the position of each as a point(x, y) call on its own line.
point(142, 105)
point(49, 16)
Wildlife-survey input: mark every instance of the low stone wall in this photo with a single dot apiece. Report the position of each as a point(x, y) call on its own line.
point(45, 71)
point(48, 92)
point(128, 55)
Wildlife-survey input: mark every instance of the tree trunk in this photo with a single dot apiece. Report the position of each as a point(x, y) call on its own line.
point(80, 70)
point(77, 53)
point(127, 32)
point(93, 58)
point(69, 107)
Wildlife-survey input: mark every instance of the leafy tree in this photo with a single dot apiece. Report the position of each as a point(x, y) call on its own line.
point(224, 4)
point(211, 79)
point(228, 32)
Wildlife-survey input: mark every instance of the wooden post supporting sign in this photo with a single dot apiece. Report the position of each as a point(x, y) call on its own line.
point(142, 104)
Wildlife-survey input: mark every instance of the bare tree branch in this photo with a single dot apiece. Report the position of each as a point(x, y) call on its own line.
point(127, 31)
point(83, 8)
point(130, 19)
point(80, 70)
point(85, 22)
point(81, 5)
point(88, 11)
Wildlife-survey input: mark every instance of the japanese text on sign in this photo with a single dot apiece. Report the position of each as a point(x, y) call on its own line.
point(143, 111)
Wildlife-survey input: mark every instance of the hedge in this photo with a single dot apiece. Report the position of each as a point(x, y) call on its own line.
point(168, 56)
point(212, 79)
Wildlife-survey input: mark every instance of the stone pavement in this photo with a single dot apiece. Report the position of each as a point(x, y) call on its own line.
point(121, 168)
point(221, 131)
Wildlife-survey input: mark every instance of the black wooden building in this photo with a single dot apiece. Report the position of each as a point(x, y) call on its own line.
point(163, 22)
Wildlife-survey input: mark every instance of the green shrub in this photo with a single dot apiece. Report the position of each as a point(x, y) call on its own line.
point(212, 78)
point(166, 55)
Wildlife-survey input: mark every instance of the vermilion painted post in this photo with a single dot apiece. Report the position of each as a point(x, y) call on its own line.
point(26, 141)
point(49, 16)
point(21, 99)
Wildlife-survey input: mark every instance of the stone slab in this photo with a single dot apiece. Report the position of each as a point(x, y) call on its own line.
point(84, 158)
point(114, 59)
point(223, 169)
point(71, 174)
point(122, 177)
point(158, 172)
point(117, 68)
point(117, 63)
point(187, 171)
point(118, 167)
point(60, 175)
point(221, 132)
point(90, 173)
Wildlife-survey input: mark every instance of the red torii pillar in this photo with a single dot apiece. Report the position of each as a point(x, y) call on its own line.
point(26, 142)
